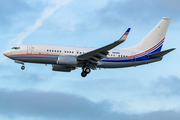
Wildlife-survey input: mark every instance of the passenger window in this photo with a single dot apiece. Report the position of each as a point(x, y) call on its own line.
point(49, 50)
point(64, 51)
point(52, 50)
point(57, 50)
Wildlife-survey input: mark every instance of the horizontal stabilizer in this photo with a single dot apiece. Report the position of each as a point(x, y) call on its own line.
point(162, 53)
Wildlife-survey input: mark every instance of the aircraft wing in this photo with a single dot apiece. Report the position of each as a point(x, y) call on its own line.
point(97, 54)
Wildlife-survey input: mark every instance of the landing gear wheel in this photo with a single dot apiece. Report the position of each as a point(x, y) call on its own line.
point(88, 70)
point(23, 67)
point(83, 74)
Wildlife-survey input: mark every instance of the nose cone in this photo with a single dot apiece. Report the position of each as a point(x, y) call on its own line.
point(6, 53)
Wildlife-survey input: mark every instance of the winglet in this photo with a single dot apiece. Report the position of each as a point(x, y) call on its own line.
point(127, 32)
point(123, 38)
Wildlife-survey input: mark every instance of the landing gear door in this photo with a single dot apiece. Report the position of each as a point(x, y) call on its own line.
point(29, 49)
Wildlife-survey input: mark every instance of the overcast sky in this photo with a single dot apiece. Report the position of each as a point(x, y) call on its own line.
point(148, 92)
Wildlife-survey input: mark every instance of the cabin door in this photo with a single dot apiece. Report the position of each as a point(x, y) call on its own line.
point(29, 49)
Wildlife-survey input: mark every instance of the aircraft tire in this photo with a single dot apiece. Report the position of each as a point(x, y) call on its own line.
point(83, 74)
point(23, 67)
point(88, 70)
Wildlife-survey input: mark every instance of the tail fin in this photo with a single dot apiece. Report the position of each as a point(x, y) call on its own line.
point(154, 40)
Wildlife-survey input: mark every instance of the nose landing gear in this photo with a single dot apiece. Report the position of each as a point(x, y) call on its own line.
point(20, 62)
point(23, 67)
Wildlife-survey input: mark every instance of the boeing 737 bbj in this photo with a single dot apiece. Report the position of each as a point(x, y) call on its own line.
point(67, 58)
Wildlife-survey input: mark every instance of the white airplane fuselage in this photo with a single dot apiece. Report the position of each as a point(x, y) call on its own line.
point(48, 54)
point(67, 58)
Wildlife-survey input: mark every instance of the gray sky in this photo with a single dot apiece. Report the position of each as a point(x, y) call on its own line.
point(137, 93)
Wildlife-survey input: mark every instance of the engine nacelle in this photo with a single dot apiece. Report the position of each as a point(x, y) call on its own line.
point(62, 68)
point(67, 60)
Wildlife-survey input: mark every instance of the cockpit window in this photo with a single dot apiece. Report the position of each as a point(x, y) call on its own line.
point(16, 48)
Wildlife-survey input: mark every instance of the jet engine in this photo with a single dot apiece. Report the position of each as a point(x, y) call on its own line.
point(67, 60)
point(62, 68)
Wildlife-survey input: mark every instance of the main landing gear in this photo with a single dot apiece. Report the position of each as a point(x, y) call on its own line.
point(85, 71)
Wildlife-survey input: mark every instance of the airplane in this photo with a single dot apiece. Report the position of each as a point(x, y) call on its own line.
point(68, 58)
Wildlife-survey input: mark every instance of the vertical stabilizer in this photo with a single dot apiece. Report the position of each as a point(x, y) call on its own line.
point(154, 40)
